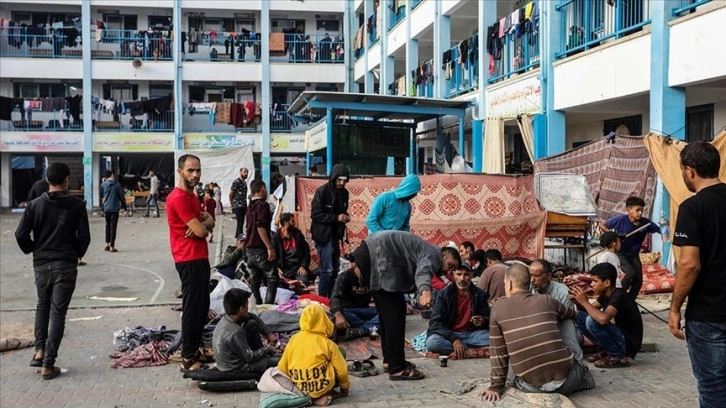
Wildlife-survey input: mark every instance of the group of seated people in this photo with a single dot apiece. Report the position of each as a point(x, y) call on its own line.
point(535, 341)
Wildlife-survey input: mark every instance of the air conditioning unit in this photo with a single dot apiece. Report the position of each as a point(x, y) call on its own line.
point(137, 63)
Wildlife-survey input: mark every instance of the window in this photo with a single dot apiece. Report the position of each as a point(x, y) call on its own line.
point(120, 22)
point(699, 123)
point(327, 25)
point(43, 90)
point(162, 22)
point(121, 92)
point(200, 94)
point(31, 18)
point(633, 124)
point(280, 25)
point(159, 91)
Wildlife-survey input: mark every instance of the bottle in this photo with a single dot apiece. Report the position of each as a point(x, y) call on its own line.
point(665, 228)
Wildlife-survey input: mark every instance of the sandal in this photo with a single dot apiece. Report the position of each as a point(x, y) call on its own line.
point(408, 364)
point(192, 365)
point(107, 248)
point(612, 362)
point(408, 374)
point(597, 356)
point(362, 369)
point(37, 362)
point(204, 357)
point(54, 372)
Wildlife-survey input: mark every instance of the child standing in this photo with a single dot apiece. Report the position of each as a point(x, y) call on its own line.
point(611, 242)
point(210, 206)
point(313, 361)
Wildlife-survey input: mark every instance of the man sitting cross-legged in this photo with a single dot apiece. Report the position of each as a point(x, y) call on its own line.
point(350, 304)
point(524, 334)
point(619, 340)
point(460, 316)
point(236, 339)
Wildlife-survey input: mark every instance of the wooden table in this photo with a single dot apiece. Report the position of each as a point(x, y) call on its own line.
point(568, 226)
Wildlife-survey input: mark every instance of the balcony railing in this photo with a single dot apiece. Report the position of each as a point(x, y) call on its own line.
point(311, 48)
point(520, 53)
point(587, 23)
point(415, 3)
point(373, 32)
point(688, 6)
point(33, 120)
point(398, 15)
point(131, 44)
point(230, 47)
point(461, 75)
point(148, 122)
point(33, 42)
point(280, 120)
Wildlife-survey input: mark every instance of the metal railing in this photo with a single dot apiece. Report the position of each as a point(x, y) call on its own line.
point(204, 122)
point(398, 15)
point(131, 44)
point(34, 120)
point(415, 3)
point(688, 6)
point(280, 120)
point(373, 33)
point(520, 53)
point(148, 122)
point(223, 46)
point(587, 23)
point(33, 42)
point(461, 77)
point(311, 48)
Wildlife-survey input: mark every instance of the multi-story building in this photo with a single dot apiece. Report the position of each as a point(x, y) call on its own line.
point(580, 68)
point(71, 64)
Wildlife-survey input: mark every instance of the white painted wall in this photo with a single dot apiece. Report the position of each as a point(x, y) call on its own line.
point(63, 68)
point(397, 37)
point(44, 2)
point(123, 69)
point(359, 69)
point(321, 6)
point(137, 4)
point(607, 72)
point(221, 4)
point(697, 47)
point(221, 71)
point(307, 73)
point(447, 5)
point(374, 55)
point(422, 17)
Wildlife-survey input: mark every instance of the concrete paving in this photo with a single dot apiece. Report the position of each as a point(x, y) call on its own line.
point(143, 268)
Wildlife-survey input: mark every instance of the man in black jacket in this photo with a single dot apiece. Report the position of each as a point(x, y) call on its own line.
point(329, 213)
point(293, 251)
point(460, 317)
point(58, 223)
point(350, 304)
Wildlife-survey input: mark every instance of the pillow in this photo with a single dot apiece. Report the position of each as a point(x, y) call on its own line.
point(279, 400)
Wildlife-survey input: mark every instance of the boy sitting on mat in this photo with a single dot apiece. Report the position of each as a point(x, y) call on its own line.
point(620, 340)
point(237, 338)
point(313, 361)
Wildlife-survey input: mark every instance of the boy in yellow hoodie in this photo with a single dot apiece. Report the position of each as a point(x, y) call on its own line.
point(313, 361)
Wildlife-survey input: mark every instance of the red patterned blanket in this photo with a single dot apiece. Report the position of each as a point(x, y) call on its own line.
point(491, 211)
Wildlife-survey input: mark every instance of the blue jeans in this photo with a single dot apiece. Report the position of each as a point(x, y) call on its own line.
point(363, 318)
point(329, 255)
point(152, 198)
point(707, 349)
point(608, 337)
point(54, 283)
point(438, 344)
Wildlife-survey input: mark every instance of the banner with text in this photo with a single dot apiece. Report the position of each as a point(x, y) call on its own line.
point(41, 142)
point(517, 98)
point(206, 141)
point(133, 142)
point(316, 138)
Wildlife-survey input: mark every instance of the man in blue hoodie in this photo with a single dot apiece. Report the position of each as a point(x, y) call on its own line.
point(55, 229)
point(392, 209)
point(113, 202)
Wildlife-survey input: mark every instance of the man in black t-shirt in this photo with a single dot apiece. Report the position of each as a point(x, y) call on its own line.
point(701, 272)
point(620, 340)
point(350, 303)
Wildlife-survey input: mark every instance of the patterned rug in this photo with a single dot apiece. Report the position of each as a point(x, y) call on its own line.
point(491, 211)
point(613, 171)
point(366, 349)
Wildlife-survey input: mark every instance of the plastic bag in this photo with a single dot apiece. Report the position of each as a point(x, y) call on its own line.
point(216, 298)
point(282, 295)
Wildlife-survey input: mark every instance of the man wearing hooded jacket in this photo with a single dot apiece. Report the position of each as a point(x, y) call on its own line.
point(329, 213)
point(392, 209)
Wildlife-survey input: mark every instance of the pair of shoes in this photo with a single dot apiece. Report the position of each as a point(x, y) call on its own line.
point(598, 356)
point(612, 362)
point(352, 333)
point(204, 357)
point(362, 369)
point(49, 373)
point(192, 365)
point(408, 374)
point(408, 364)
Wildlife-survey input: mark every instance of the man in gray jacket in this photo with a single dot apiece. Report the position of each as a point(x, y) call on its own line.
point(394, 263)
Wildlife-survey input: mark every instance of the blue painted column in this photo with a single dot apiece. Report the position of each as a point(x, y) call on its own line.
point(413, 159)
point(329, 138)
point(307, 163)
point(265, 103)
point(88, 182)
point(442, 42)
point(369, 81)
point(387, 73)
point(550, 138)
point(350, 26)
point(178, 92)
point(667, 105)
point(487, 16)
point(411, 51)
point(462, 124)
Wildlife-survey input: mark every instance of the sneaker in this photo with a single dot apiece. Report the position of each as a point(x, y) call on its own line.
point(352, 333)
point(588, 381)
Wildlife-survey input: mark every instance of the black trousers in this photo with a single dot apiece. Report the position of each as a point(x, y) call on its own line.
point(239, 214)
point(54, 283)
point(111, 227)
point(391, 308)
point(194, 277)
point(633, 269)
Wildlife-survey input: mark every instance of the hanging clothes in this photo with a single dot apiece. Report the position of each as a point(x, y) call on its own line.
point(74, 107)
point(223, 113)
point(7, 105)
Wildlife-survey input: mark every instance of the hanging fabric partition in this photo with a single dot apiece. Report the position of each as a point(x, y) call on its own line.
point(527, 130)
point(665, 155)
point(494, 146)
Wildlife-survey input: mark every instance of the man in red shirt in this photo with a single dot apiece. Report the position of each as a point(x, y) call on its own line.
point(189, 227)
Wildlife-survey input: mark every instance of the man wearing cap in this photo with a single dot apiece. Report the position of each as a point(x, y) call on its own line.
point(610, 242)
point(460, 318)
point(329, 213)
